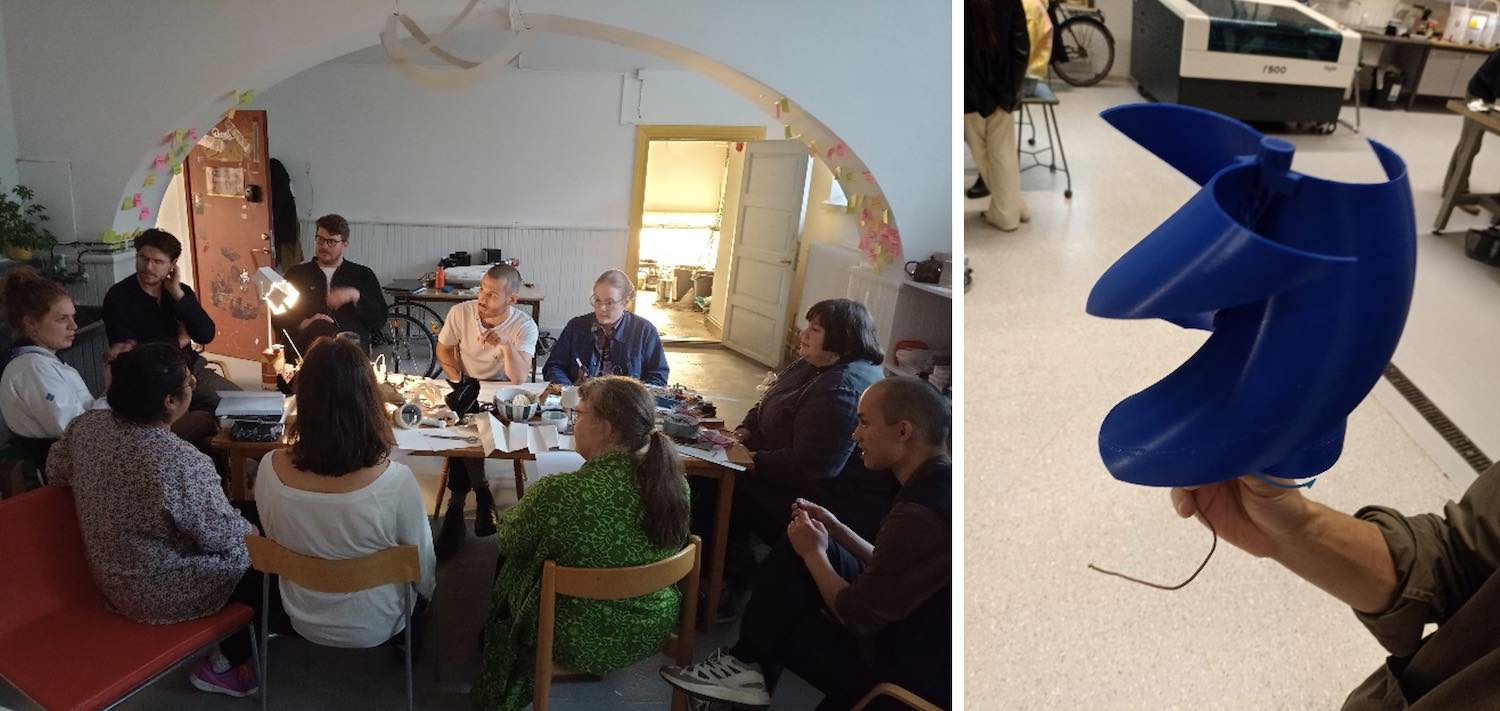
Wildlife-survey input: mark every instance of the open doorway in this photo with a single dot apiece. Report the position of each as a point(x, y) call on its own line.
point(682, 226)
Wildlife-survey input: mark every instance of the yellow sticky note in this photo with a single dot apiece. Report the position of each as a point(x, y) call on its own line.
point(177, 136)
point(784, 104)
point(789, 133)
point(150, 180)
point(177, 169)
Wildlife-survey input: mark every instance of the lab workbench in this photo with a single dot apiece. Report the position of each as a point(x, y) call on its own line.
point(1431, 67)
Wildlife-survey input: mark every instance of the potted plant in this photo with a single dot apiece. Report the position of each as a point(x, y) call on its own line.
point(22, 224)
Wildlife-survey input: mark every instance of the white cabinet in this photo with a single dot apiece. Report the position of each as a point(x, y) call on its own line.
point(1443, 72)
point(903, 309)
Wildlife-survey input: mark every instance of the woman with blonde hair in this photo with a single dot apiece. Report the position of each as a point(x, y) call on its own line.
point(627, 506)
point(609, 340)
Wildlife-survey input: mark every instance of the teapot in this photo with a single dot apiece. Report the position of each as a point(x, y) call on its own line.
point(928, 271)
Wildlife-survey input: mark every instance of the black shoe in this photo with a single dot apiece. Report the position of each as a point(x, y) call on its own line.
point(978, 189)
point(484, 517)
point(451, 537)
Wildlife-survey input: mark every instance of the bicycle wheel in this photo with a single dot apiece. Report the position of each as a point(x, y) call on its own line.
point(408, 346)
point(1088, 51)
point(419, 311)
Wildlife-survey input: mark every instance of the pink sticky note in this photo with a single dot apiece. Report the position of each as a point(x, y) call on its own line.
point(160, 162)
point(192, 134)
point(145, 213)
point(136, 200)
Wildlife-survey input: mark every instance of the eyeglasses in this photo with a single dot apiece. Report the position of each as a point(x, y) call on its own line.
point(328, 242)
point(606, 303)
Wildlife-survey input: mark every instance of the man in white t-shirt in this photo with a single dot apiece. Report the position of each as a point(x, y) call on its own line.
point(486, 339)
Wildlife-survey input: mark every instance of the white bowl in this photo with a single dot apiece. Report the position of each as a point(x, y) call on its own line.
point(511, 412)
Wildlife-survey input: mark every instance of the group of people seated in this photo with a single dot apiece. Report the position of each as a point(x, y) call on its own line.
point(849, 492)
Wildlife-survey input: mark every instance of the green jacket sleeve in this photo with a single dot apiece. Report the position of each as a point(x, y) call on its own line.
point(1441, 560)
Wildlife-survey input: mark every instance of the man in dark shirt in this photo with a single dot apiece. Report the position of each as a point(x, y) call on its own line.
point(335, 294)
point(841, 613)
point(154, 305)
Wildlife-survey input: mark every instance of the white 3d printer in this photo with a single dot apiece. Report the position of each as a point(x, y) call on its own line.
point(1256, 60)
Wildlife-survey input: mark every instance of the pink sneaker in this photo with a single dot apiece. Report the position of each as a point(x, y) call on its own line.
point(238, 682)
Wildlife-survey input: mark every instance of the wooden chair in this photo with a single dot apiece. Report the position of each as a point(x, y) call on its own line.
point(897, 693)
point(392, 566)
point(618, 584)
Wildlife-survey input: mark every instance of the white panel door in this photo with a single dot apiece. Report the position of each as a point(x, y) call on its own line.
point(765, 249)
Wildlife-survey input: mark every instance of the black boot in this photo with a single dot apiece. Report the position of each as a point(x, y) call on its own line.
point(484, 516)
point(451, 537)
point(978, 189)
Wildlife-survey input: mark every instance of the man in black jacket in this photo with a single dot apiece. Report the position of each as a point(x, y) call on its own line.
point(153, 305)
point(840, 612)
point(336, 294)
point(997, 48)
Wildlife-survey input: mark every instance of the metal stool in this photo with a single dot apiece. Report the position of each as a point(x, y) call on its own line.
point(1047, 102)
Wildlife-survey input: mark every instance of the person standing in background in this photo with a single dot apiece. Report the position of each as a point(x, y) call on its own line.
point(997, 50)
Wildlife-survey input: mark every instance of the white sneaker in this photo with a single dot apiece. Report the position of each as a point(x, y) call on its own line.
point(721, 678)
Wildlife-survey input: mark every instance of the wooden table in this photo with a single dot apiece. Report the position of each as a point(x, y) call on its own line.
point(1475, 125)
point(239, 490)
point(529, 296)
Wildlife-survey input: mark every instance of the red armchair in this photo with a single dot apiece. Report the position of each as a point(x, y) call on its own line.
point(59, 645)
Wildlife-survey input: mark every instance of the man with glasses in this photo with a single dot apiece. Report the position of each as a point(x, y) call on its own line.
point(484, 339)
point(336, 294)
point(608, 341)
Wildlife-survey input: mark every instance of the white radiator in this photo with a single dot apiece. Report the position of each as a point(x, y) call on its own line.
point(880, 294)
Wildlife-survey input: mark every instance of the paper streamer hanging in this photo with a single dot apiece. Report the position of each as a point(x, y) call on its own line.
point(467, 72)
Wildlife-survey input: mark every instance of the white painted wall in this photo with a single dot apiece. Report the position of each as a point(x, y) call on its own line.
point(8, 148)
point(685, 176)
point(100, 83)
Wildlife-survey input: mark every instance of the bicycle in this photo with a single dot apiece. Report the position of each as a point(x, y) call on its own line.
point(408, 345)
point(1083, 49)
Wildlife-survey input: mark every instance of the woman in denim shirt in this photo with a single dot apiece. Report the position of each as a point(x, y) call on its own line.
point(609, 341)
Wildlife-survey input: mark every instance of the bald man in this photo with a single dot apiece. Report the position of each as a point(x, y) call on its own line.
point(842, 613)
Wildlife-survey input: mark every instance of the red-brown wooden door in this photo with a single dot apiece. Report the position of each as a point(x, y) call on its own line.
point(229, 229)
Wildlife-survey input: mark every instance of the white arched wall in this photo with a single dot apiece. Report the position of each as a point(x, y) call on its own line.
point(99, 84)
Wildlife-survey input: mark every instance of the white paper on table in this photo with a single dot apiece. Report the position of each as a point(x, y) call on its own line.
point(420, 440)
point(715, 455)
point(548, 463)
point(515, 437)
point(487, 427)
point(565, 442)
point(541, 438)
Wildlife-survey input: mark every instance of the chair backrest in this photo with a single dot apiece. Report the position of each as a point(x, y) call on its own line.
point(394, 565)
point(617, 584)
point(43, 564)
point(897, 693)
point(621, 583)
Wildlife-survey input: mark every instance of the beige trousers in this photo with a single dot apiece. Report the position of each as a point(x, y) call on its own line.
point(992, 141)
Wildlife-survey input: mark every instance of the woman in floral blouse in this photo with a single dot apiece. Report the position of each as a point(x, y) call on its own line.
point(163, 542)
point(627, 506)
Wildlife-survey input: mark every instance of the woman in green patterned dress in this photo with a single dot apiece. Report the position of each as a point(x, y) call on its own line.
point(627, 506)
